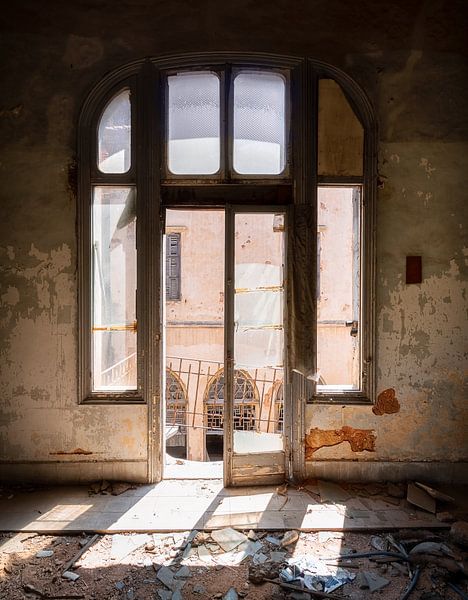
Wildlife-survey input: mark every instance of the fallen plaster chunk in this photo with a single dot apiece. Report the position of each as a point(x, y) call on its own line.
point(277, 557)
point(204, 554)
point(183, 573)
point(123, 545)
point(120, 488)
point(199, 589)
point(459, 533)
point(259, 558)
point(374, 581)
point(378, 543)
point(70, 575)
point(228, 538)
point(289, 538)
point(188, 553)
point(166, 576)
point(403, 569)
point(44, 553)
point(236, 556)
point(30, 589)
point(273, 540)
point(361, 581)
point(420, 498)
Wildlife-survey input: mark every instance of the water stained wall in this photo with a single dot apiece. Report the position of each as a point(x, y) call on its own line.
point(409, 59)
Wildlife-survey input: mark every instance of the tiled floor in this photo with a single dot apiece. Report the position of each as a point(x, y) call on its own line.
point(179, 505)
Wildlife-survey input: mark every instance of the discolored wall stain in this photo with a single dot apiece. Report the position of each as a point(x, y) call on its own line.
point(387, 403)
point(358, 439)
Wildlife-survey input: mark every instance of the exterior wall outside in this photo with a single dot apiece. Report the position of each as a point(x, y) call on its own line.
point(410, 60)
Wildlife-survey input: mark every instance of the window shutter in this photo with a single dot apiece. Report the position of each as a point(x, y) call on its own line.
point(173, 266)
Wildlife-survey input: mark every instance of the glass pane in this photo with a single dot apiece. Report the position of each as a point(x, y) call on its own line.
point(338, 289)
point(114, 288)
point(258, 332)
point(340, 133)
point(194, 344)
point(114, 135)
point(194, 116)
point(259, 123)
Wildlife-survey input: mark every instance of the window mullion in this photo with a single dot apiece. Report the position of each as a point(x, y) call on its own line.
point(226, 122)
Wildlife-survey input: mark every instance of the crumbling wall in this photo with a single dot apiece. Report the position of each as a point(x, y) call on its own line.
point(408, 57)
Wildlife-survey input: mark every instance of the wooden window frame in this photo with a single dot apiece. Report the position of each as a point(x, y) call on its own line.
point(156, 191)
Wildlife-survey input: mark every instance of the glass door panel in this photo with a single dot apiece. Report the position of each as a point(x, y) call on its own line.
point(258, 346)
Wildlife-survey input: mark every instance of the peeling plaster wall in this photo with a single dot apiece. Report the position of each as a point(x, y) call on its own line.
point(410, 59)
point(422, 337)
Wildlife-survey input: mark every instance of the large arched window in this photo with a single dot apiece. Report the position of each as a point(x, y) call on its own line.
point(215, 130)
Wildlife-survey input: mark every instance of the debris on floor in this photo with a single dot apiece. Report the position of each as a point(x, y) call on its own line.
point(115, 488)
point(228, 563)
point(420, 498)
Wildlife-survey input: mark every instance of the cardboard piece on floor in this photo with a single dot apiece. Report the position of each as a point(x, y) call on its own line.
point(435, 493)
point(420, 498)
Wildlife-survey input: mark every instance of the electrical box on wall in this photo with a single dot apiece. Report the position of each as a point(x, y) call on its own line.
point(413, 269)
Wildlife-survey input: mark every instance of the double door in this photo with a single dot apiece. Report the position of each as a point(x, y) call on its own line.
point(245, 400)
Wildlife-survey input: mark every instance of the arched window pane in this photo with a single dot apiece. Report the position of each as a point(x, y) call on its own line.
point(340, 134)
point(193, 118)
point(259, 123)
point(114, 135)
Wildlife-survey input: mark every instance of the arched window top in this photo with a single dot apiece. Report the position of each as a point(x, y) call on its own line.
point(175, 392)
point(241, 124)
point(114, 135)
point(245, 390)
point(318, 130)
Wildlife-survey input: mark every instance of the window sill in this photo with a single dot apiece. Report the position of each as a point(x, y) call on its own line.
point(114, 399)
point(341, 399)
